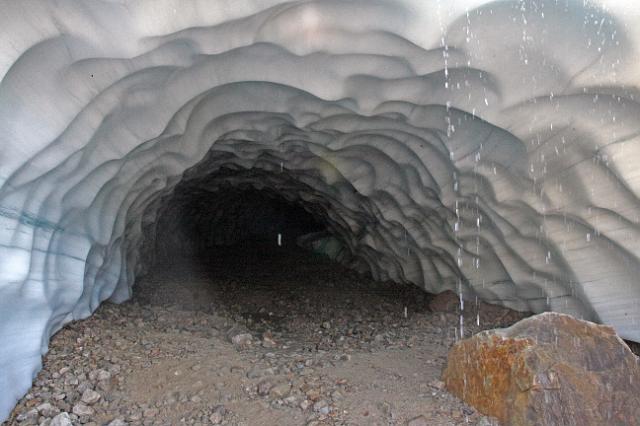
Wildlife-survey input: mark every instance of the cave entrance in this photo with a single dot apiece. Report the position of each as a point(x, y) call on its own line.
point(209, 225)
point(247, 235)
point(229, 316)
point(239, 252)
point(206, 241)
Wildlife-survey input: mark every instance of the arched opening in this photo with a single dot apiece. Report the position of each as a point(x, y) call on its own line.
point(486, 148)
point(201, 224)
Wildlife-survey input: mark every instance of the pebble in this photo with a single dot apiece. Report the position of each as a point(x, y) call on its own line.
point(486, 421)
point(81, 409)
point(268, 343)
point(305, 404)
point(264, 387)
point(99, 375)
point(321, 407)
point(134, 417)
point(28, 415)
point(242, 339)
point(437, 384)
point(47, 410)
point(280, 391)
point(215, 418)
point(61, 419)
point(291, 400)
point(90, 397)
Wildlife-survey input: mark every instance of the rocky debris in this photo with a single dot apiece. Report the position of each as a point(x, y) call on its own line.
point(215, 418)
point(81, 409)
point(487, 421)
point(90, 397)
point(61, 419)
point(317, 342)
point(267, 340)
point(321, 407)
point(218, 415)
point(28, 416)
point(447, 301)
point(548, 369)
point(305, 404)
point(99, 375)
point(241, 340)
point(264, 387)
point(280, 391)
point(47, 410)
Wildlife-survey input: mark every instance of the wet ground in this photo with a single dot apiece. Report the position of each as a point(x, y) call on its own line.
point(255, 335)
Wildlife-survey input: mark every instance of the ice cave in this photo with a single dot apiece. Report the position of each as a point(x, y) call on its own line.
point(490, 148)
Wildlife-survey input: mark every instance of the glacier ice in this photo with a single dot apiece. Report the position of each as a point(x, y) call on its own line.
point(487, 146)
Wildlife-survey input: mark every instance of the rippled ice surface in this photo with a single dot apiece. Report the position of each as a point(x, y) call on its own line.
point(489, 148)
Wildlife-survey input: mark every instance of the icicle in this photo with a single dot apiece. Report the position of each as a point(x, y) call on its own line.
point(461, 310)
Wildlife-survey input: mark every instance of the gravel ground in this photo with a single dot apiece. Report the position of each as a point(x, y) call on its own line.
point(260, 336)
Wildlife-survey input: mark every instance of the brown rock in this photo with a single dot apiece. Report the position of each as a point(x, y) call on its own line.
point(549, 369)
point(280, 391)
point(243, 339)
point(437, 384)
point(264, 387)
point(215, 418)
point(447, 301)
point(81, 409)
point(90, 397)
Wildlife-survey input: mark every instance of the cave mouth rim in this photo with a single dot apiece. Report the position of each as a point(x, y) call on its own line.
point(236, 184)
point(278, 211)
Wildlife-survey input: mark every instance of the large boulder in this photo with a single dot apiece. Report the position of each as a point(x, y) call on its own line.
point(447, 301)
point(548, 369)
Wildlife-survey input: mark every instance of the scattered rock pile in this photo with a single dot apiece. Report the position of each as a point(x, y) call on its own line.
point(244, 343)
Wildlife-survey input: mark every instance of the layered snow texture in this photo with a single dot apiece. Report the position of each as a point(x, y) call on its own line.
point(488, 148)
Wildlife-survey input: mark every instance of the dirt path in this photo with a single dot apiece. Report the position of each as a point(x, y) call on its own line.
point(291, 339)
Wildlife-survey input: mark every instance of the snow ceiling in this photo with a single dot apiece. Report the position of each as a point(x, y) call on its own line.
point(491, 148)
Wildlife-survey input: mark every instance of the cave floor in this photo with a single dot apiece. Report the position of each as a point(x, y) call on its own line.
point(254, 336)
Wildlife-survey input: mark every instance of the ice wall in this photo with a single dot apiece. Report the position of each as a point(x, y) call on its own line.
point(485, 147)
